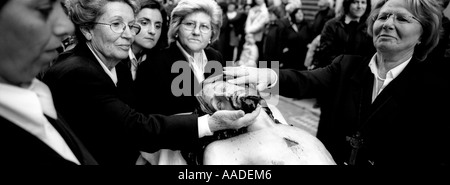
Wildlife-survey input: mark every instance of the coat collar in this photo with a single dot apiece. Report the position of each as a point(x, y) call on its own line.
point(82, 50)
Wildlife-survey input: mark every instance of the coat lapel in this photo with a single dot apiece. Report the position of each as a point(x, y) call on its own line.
point(83, 156)
point(83, 50)
point(362, 83)
point(387, 101)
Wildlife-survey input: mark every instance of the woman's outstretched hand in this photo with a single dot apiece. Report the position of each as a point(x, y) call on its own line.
point(262, 78)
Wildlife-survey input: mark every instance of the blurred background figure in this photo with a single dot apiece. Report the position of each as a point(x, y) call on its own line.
point(442, 50)
point(249, 55)
point(257, 18)
point(234, 31)
point(272, 38)
point(345, 34)
point(295, 40)
point(325, 13)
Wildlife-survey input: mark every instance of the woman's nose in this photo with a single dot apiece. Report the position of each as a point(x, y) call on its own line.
point(196, 30)
point(359, 4)
point(152, 30)
point(127, 33)
point(62, 26)
point(388, 24)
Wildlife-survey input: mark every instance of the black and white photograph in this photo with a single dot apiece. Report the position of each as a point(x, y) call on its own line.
point(225, 91)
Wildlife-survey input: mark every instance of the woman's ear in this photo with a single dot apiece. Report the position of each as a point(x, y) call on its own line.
point(87, 33)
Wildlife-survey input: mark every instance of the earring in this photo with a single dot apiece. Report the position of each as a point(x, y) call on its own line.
point(176, 35)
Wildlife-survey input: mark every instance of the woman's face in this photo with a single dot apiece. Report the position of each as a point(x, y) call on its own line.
point(109, 45)
point(231, 7)
point(151, 23)
point(259, 2)
point(357, 8)
point(299, 16)
point(272, 16)
point(396, 29)
point(195, 32)
point(31, 31)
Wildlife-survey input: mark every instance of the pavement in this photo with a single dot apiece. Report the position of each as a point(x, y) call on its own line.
point(299, 113)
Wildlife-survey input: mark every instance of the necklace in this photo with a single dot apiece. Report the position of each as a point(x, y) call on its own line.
point(379, 78)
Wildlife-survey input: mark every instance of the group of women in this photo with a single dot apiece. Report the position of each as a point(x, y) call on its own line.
point(388, 109)
point(91, 84)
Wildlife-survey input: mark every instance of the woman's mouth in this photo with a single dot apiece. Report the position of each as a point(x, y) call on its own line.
point(124, 47)
point(386, 36)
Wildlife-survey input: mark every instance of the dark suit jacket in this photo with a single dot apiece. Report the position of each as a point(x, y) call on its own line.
point(154, 80)
point(19, 147)
point(405, 125)
point(98, 112)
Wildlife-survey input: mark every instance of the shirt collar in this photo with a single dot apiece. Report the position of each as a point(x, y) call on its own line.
point(347, 19)
point(197, 67)
point(391, 74)
point(112, 74)
point(131, 55)
point(21, 105)
point(189, 57)
point(26, 106)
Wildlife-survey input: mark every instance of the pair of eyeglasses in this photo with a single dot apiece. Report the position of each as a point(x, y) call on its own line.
point(189, 26)
point(399, 18)
point(119, 27)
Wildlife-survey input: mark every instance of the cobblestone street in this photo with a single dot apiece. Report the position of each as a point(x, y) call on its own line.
point(299, 113)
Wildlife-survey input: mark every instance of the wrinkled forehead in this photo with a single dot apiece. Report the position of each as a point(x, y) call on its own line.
point(397, 7)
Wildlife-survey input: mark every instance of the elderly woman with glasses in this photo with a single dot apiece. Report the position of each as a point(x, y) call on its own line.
point(387, 109)
point(92, 88)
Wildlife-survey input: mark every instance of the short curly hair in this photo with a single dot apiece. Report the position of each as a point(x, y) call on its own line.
point(84, 12)
point(187, 7)
point(430, 16)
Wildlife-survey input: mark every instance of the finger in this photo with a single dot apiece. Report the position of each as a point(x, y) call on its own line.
point(261, 86)
point(239, 80)
point(235, 71)
point(239, 114)
point(255, 113)
point(250, 118)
